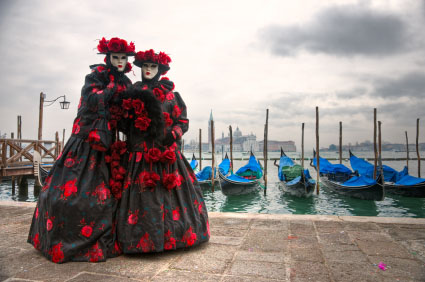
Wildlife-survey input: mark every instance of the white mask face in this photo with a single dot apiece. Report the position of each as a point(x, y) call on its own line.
point(149, 70)
point(119, 60)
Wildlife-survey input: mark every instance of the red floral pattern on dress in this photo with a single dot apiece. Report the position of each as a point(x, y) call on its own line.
point(176, 111)
point(189, 237)
point(153, 155)
point(176, 213)
point(170, 242)
point(102, 193)
point(171, 180)
point(146, 244)
point(47, 182)
point(69, 189)
point(142, 123)
point(86, 231)
point(95, 253)
point(36, 241)
point(76, 126)
point(133, 217)
point(56, 253)
point(168, 156)
point(168, 121)
point(149, 179)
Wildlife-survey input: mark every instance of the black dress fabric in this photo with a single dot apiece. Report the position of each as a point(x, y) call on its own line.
point(162, 207)
point(74, 217)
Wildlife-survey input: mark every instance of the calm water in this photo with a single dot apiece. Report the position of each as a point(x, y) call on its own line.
point(274, 201)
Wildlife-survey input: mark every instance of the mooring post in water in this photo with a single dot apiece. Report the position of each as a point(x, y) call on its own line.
point(200, 149)
point(417, 148)
point(317, 152)
point(12, 151)
point(212, 155)
point(19, 133)
point(266, 131)
point(302, 146)
point(231, 149)
point(374, 145)
point(381, 169)
point(407, 151)
point(340, 142)
point(182, 146)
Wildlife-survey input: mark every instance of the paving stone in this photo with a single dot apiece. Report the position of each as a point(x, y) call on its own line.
point(328, 226)
point(300, 229)
point(224, 240)
point(53, 272)
point(407, 234)
point(332, 247)
point(302, 242)
point(345, 256)
point(213, 258)
point(369, 236)
point(358, 226)
point(22, 262)
point(238, 278)
point(416, 248)
point(259, 269)
point(231, 232)
point(306, 254)
point(84, 277)
point(301, 271)
point(400, 268)
point(336, 238)
point(270, 225)
point(184, 276)
point(237, 223)
point(347, 272)
point(383, 249)
point(265, 241)
point(261, 256)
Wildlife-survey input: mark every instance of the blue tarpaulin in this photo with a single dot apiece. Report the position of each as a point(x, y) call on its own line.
point(327, 167)
point(359, 181)
point(365, 168)
point(253, 165)
point(237, 178)
point(224, 166)
point(193, 164)
point(284, 161)
point(410, 180)
point(204, 174)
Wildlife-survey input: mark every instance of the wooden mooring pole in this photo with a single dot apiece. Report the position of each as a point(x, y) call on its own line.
point(200, 149)
point(212, 155)
point(340, 142)
point(266, 139)
point(374, 145)
point(317, 152)
point(407, 151)
point(12, 152)
point(302, 146)
point(381, 169)
point(417, 148)
point(231, 149)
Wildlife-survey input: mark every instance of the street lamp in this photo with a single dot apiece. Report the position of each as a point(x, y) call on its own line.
point(63, 104)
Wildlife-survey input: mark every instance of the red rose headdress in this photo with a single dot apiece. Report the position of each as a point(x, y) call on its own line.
point(116, 45)
point(149, 56)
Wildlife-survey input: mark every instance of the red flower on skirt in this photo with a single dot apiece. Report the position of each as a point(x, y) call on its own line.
point(36, 241)
point(170, 242)
point(95, 253)
point(189, 237)
point(167, 119)
point(86, 231)
point(142, 123)
point(102, 193)
point(94, 136)
point(69, 188)
point(149, 179)
point(169, 157)
point(171, 180)
point(56, 253)
point(49, 224)
point(47, 183)
point(176, 214)
point(133, 217)
point(153, 155)
point(76, 126)
point(146, 244)
point(69, 162)
point(138, 106)
point(138, 156)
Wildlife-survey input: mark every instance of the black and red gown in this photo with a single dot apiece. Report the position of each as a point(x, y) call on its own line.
point(73, 219)
point(162, 207)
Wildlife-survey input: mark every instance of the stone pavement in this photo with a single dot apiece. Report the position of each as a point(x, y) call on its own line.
point(243, 247)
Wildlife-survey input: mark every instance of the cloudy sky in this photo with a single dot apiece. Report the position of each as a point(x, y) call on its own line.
point(236, 58)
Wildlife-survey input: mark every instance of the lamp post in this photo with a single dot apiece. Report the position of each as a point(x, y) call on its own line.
point(63, 104)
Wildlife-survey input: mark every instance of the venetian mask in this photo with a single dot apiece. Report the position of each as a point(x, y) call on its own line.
point(119, 60)
point(149, 70)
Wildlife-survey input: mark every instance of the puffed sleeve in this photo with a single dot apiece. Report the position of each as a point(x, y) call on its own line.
point(97, 90)
point(180, 121)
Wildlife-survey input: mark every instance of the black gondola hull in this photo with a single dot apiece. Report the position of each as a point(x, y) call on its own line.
point(299, 189)
point(231, 188)
point(367, 192)
point(417, 190)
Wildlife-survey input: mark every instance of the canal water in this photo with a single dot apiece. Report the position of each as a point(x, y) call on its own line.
point(275, 201)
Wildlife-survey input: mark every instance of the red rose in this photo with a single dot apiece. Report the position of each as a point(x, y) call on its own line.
point(76, 126)
point(86, 231)
point(119, 147)
point(69, 188)
point(102, 47)
point(176, 214)
point(94, 136)
point(130, 48)
point(171, 180)
point(169, 96)
point(176, 111)
point(149, 179)
point(189, 237)
point(153, 155)
point(122, 170)
point(108, 159)
point(170, 244)
point(114, 45)
point(159, 94)
point(168, 156)
point(142, 123)
point(138, 106)
point(167, 119)
point(132, 219)
point(56, 253)
point(128, 67)
point(49, 224)
point(69, 162)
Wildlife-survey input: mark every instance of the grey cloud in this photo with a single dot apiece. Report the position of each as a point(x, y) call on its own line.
point(410, 85)
point(341, 31)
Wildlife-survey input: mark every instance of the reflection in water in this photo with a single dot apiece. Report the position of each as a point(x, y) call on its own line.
point(249, 202)
point(410, 207)
point(299, 205)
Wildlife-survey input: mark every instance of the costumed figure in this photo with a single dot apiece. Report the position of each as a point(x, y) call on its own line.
point(162, 207)
point(74, 217)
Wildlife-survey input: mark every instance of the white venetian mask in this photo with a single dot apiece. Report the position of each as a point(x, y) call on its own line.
point(149, 70)
point(119, 60)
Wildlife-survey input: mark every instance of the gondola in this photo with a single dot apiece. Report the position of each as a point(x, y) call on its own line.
point(293, 178)
point(40, 173)
point(396, 182)
point(194, 164)
point(204, 176)
point(244, 181)
point(343, 180)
